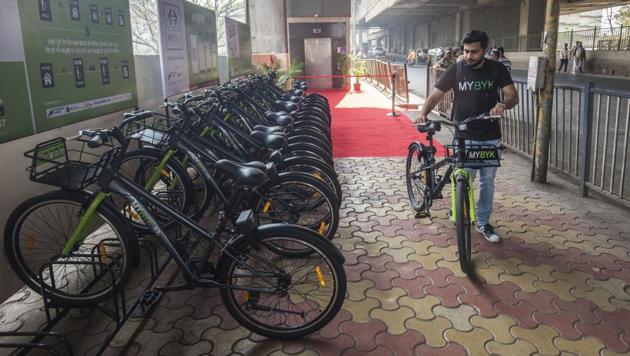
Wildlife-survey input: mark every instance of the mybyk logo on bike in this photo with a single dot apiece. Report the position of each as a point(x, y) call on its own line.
point(482, 154)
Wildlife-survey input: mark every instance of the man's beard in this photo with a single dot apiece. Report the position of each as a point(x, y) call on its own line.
point(472, 64)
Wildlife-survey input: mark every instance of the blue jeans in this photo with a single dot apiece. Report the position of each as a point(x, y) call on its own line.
point(486, 185)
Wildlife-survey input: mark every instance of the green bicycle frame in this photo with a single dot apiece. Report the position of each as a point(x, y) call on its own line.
point(471, 198)
point(79, 234)
point(158, 170)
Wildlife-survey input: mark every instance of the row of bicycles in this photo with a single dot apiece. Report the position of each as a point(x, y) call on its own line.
point(258, 157)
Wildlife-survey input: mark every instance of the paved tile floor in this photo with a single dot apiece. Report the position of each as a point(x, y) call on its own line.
point(557, 284)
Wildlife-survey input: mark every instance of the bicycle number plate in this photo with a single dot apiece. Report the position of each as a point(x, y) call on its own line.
point(482, 154)
point(50, 153)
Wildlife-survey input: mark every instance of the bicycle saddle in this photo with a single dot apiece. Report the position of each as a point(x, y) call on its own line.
point(287, 106)
point(243, 174)
point(430, 127)
point(269, 129)
point(269, 168)
point(296, 92)
point(273, 140)
point(281, 118)
point(292, 98)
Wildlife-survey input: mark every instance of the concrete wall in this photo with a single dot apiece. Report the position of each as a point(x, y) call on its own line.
point(14, 179)
point(422, 36)
point(267, 26)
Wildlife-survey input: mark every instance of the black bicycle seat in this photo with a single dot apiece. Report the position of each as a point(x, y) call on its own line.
point(244, 175)
point(287, 106)
point(269, 129)
point(296, 92)
point(274, 141)
point(273, 114)
point(429, 127)
point(290, 98)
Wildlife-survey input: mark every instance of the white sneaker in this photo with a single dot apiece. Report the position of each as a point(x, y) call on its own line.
point(488, 232)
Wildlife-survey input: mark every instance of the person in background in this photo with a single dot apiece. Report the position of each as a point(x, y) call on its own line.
point(564, 58)
point(447, 60)
point(579, 57)
point(411, 57)
point(503, 59)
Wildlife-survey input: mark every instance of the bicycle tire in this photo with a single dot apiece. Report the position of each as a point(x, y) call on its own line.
point(462, 222)
point(150, 158)
point(298, 184)
point(316, 167)
point(417, 179)
point(20, 236)
point(328, 264)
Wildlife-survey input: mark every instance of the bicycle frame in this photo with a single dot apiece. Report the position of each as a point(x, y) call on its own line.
point(138, 199)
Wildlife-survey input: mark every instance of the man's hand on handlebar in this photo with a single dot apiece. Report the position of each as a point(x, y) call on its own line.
point(498, 110)
point(422, 118)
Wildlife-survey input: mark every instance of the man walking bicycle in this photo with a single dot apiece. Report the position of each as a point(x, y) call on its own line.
point(475, 82)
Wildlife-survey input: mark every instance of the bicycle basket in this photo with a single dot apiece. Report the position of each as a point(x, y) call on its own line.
point(73, 168)
point(154, 130)
point(480, 156)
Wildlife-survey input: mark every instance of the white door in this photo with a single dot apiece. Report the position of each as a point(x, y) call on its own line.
point(318, 62)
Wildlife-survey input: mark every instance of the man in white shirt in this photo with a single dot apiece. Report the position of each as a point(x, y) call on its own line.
point(564, 58)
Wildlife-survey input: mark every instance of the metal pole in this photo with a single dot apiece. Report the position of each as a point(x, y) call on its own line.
point(543, 126)
point(571, 40)
point(619, 41)
point(594, 37)
point(393, 113)
point(585, 134)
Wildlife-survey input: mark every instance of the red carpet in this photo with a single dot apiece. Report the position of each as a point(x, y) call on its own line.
point(360, 127)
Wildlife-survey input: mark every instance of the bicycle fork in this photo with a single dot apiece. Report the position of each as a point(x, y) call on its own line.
point(461, 172)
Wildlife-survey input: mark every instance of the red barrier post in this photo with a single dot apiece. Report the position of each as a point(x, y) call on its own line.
point(393, 113)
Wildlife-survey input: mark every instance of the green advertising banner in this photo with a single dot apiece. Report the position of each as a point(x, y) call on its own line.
point(74, 62)
point(201, 37)
point(239, 48)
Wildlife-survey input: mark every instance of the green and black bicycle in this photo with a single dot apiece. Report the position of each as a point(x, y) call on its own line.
point(426, 176)
point(79, 247)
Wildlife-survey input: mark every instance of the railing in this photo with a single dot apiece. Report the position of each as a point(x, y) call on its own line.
point(595, 39)
point(445, 104)
point(384, 74)
point(590, 134)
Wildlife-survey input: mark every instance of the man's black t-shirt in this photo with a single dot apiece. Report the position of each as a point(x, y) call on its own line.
point(476, 93)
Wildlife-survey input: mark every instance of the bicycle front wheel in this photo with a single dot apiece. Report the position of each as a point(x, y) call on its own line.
point(282, 296)
point(463, 222)
point(35, 236)
point(417, 178)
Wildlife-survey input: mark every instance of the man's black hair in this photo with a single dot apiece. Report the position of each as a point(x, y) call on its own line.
point(476, 36)
point(501, 50)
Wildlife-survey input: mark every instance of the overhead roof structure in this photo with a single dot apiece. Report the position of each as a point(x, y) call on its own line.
point(384, 13)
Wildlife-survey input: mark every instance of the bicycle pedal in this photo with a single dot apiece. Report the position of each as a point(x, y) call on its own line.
point(422, 215)
point(146, 303)
point(437, 196)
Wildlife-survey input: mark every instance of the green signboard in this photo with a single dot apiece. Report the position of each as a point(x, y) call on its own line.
point(239, 48)
point(69, 60)
point(201, 37)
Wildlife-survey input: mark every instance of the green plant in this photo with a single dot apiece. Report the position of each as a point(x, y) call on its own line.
point(286, 76)
point(343, 65)
point(358, 69)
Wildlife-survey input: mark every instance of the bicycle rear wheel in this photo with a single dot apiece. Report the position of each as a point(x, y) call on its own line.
point(462, 222)
point(281, 296)
point(417, 178)
point(37, 231)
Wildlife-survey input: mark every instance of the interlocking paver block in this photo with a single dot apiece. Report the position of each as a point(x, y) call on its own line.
point(432, 330)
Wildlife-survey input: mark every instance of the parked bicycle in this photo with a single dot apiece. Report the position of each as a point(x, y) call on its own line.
point(426, 176)
point(279, 280)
